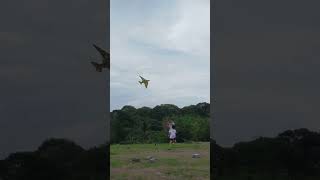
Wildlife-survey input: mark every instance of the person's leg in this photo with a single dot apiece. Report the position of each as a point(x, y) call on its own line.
point(170, 144)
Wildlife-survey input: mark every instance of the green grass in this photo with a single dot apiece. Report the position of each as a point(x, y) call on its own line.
point(176, 163)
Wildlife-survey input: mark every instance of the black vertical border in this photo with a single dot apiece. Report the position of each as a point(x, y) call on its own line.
point(212, 86)
point(108, 118)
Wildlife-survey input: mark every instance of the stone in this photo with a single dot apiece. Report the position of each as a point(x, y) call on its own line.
point(149, 157)
point(196, 155)
point(152, 160)
point(135, 160)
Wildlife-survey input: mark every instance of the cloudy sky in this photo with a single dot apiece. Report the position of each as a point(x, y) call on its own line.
point(267, 68)
point(48, 86)
point(166, 41)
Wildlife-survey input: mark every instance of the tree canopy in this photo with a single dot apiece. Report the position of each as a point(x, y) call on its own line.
point(145, 125)
point(293, 153)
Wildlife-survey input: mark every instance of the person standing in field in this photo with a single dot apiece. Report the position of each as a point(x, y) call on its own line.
point(172, 134)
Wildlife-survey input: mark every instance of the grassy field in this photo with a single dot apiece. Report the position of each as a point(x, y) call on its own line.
point(176, 163)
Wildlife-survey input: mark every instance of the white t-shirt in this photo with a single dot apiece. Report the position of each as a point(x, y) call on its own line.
point(172, 133)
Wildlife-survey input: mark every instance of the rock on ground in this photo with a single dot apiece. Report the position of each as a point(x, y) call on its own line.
point(196, 155)
point(135, 160)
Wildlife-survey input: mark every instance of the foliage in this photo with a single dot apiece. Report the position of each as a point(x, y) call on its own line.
point(145, 125)
point(293, 153)
point(56, 159)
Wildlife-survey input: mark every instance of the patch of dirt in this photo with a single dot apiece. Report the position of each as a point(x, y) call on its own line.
point(149, 174)
point(183, 153)
point(146, 173)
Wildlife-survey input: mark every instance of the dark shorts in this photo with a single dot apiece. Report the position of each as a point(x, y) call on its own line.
point(172, 139)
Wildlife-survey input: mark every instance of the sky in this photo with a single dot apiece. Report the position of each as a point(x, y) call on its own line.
point(48, 86)
point(267, 68)
point(167, 42)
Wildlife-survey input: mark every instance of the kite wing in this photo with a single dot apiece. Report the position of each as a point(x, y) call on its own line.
point(104, 54)
point(146, 84)
point(142, 78)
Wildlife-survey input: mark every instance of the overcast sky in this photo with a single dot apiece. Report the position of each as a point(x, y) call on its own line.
point(166, 41)
point(48, 86)
point(267, 67)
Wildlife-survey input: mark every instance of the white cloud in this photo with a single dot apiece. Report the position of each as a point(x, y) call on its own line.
point(170, 47)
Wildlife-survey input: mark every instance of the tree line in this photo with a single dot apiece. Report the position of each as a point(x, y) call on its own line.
point(292, 154)
point(57, 159)
point(146, 125)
